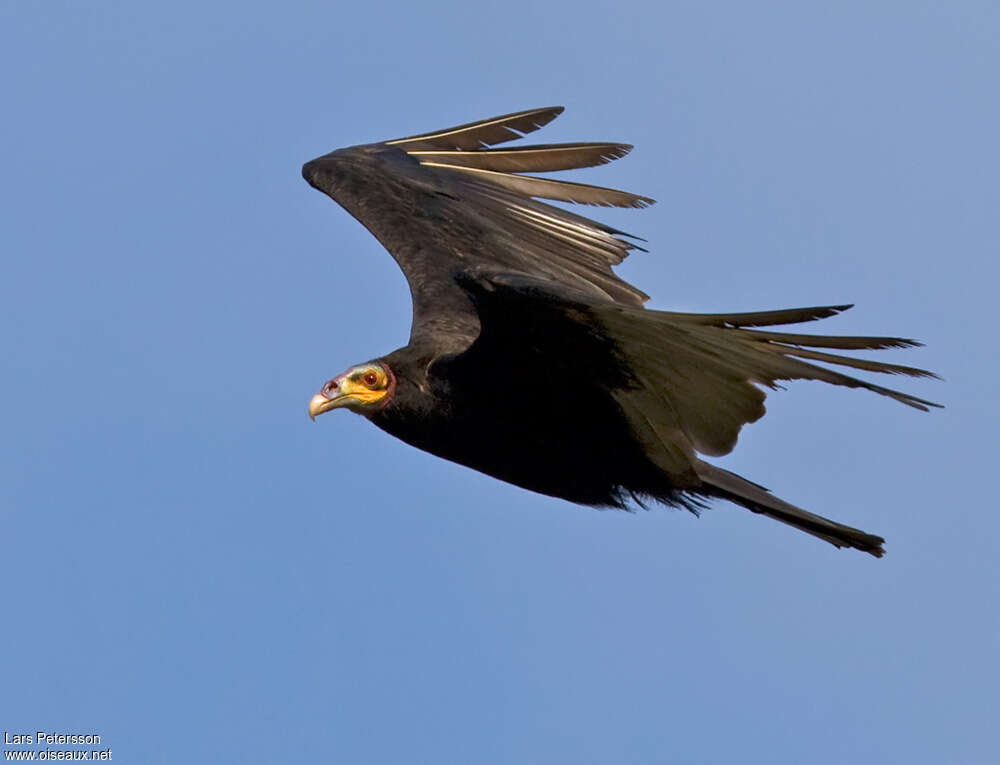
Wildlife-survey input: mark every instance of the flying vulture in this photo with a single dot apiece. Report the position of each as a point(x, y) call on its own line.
point(531, 361)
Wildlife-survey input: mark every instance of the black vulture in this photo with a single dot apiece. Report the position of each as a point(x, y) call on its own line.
point(531, 361)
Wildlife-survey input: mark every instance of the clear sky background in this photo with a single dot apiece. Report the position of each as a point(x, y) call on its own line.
point(198, 573)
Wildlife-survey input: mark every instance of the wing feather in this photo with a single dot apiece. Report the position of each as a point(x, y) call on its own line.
point(869, 366)
point(528, 159)
point(475, 135)
point(553, 244)
point(562, 191)
point(763, 318)
point(832, 341)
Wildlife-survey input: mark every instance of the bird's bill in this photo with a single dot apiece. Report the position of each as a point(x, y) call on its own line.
point(320, 403)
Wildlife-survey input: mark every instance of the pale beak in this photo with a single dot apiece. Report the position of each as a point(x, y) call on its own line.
point(320, 403)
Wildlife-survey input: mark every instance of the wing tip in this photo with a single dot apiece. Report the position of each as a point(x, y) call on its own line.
point(485, 132)
point(545, 115)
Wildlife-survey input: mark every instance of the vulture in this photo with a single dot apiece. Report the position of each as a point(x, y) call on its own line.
point(529, 360)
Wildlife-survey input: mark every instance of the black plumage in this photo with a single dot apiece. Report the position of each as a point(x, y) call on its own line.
point(531, 361)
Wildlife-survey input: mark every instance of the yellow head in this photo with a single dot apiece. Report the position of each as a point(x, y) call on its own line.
point(363, 388)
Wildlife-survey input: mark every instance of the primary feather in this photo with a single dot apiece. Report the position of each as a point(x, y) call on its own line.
point(528, 159)
point(484, 132)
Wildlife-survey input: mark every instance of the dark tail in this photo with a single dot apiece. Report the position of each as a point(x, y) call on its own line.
point(725, 485)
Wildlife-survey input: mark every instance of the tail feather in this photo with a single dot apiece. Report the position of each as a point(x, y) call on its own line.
point(725, 485)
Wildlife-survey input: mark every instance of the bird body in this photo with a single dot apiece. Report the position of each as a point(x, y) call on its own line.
point(569, 442)
point(531, 361)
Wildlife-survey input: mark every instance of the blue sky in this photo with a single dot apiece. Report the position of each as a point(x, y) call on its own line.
point(195, 571)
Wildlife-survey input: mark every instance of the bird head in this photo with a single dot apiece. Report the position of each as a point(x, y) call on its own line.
point(363, 388)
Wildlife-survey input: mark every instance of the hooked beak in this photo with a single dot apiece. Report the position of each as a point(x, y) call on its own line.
point(321, 403)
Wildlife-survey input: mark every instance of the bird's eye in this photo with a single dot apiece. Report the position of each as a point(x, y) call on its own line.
point(370, 379)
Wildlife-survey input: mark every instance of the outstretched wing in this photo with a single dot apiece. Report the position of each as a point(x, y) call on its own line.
point(685, 383)
point(703, 374)
point(444, 201)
